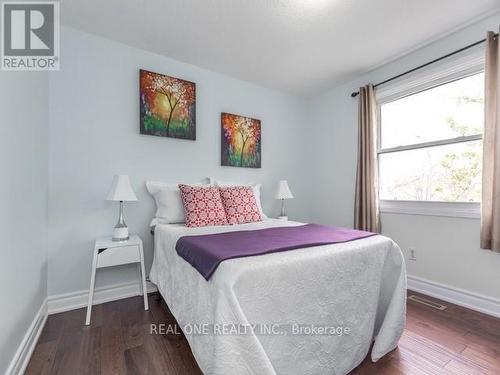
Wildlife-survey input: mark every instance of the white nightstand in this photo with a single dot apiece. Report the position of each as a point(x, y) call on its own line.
point(109, 253)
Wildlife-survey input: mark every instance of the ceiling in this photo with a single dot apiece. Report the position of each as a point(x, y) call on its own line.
point(297, 46)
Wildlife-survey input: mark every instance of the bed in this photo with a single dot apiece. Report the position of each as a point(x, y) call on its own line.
point(314, 310)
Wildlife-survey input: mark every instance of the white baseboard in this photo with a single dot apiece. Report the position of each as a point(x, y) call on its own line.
point(464, 298)
point(75, 300)
point(25, 350)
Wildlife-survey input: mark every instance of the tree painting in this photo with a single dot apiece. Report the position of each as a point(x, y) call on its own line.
point(168, 106)
point(240, 141)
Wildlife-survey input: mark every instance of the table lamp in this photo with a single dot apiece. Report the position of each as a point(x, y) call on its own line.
point(283, 193)
point(121, 191)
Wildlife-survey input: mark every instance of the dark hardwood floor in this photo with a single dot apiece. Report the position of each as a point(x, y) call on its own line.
point(453, 341)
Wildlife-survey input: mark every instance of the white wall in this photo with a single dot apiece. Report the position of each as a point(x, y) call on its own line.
point(448, 248)
point(23, 205)
point(94, 134)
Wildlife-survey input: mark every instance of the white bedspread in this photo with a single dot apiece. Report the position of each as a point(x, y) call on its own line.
point(360, 285)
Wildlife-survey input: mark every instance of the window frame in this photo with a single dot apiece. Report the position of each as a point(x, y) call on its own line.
point(464, 66)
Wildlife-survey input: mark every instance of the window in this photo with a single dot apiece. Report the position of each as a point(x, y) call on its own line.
point(430, 143)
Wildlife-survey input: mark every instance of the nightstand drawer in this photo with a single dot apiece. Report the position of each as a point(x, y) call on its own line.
point(118, 255)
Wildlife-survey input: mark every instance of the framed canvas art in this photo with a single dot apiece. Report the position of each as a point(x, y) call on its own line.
point(167, 106)
point(240, 141)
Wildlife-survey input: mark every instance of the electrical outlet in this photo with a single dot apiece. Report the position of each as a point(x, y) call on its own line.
point(412, 254)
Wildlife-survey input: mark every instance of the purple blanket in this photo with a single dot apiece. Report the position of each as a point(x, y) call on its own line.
point(206, 252)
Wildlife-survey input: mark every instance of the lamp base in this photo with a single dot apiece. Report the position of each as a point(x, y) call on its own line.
point(120, 234)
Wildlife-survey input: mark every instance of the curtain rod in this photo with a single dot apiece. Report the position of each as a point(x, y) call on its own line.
point(356, 93)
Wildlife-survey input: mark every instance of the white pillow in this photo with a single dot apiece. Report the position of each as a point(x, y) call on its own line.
point(167, 196)
point(255, 188)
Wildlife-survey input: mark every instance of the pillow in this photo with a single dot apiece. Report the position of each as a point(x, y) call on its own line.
point(240, 204)
point(167, 196)
point(256, 191)
point(202, 206)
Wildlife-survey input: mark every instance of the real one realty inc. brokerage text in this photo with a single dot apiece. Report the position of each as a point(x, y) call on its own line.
point(227, 329)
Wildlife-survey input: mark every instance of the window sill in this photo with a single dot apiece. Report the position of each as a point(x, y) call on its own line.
point(471, 210)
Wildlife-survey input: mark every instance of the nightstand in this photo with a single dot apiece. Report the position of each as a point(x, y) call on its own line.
point(108, 253)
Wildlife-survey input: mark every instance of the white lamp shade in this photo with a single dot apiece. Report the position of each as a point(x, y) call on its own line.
point(121, 190)
point(283, 191)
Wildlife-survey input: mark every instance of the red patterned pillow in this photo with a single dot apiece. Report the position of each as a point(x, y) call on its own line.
point(202, 205)
point(240, 204)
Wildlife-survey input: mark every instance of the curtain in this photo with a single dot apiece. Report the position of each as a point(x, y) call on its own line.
point(366, 215)
point(490, 202)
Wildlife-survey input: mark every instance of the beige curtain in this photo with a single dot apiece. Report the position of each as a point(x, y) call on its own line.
point(366, 214)
point(490, 203)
